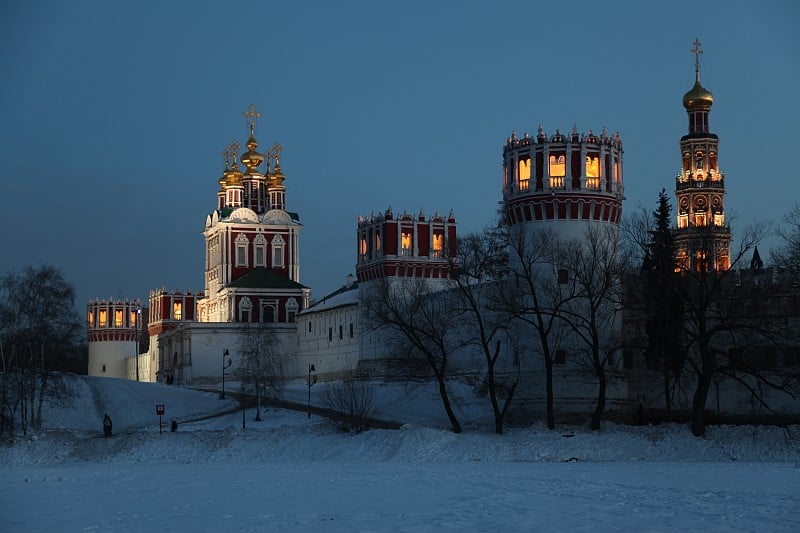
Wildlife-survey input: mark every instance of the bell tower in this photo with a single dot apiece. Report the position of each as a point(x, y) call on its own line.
point(702, 237)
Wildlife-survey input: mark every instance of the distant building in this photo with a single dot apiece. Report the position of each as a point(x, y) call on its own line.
point(116, 333)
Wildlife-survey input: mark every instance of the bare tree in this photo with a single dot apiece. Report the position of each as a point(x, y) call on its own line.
point(530, 294)
point(352, 399)
point(787, 254)
point(263, 364)
point(714, 322)
point(482, 264)
point(592, 301)
point(423, 317)
point(38, 326)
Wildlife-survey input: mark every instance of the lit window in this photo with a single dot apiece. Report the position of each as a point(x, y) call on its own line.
point(405, 243)
point(525, 169)
point(377, 243)
point(90, 318)
point(118, 318)
point(438, 244)
point(362, 248)
point(133, 319)
point(103, 318)
point(592, 167)
point(177, 310)
point(558, 167)
point(524, 174)
point(680, 261)
point(719, 220)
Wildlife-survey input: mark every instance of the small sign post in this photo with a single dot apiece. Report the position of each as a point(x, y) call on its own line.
point(160, 413)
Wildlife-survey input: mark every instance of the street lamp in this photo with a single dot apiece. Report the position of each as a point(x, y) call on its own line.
point(310, 370)
point(138, 338)
point(224, 366)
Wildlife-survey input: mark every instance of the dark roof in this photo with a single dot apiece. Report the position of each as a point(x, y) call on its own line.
point(340, 290)
point(294, 216)
point(261, 278)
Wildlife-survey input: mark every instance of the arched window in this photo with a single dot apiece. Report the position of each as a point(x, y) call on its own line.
point(291, 310)
point(438, 244)
point(241, 249)
point(118, 318)
point(245, 310)
point(278, 248)
point(260, 251)
point(177, 310)
point(592, 167)
point(362, 247)
point(103, 318)
point(524, 173)
point(558, 166)
point(405, 243)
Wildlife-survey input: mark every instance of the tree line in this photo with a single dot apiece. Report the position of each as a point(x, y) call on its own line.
point(512, 293)
point(40, 337)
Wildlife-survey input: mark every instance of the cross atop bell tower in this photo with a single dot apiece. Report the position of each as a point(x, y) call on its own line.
point(702, 237)
point(697, 51)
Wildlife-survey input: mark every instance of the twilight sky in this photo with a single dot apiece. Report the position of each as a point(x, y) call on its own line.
point(115, 113)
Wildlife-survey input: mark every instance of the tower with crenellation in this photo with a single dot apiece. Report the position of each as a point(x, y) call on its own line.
point(564, 183)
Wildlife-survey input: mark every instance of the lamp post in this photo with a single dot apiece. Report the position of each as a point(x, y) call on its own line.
point(310, 370)
point(224, 366)
point(136, 342)
point(243, 404)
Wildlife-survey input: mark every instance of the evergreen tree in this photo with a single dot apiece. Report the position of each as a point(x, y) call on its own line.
point(663, 301)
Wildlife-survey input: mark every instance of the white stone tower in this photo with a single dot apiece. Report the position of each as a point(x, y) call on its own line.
point(114, 328)
point(563, 182)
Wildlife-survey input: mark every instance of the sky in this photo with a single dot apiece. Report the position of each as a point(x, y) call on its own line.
point(292, 473)
point(115, 114)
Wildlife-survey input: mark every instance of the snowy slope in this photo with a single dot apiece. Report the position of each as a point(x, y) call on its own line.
point(292, 473)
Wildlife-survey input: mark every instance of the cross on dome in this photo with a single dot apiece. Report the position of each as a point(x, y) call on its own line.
point(697, 52)
point(252, 115)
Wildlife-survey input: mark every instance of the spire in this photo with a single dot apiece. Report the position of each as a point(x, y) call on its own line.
point(756, 263)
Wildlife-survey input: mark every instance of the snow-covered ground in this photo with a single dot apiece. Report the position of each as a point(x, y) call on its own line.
point(292, 473)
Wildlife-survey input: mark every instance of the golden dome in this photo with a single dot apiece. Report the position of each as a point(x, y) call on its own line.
point(252, 159)
point(698, 97)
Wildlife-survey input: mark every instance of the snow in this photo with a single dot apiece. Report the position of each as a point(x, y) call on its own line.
point(292, 473)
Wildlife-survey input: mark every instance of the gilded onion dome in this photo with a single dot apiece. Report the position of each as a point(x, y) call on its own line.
point(698, 97)
point(252, 159)
point(233, 176)
point(276, 175)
